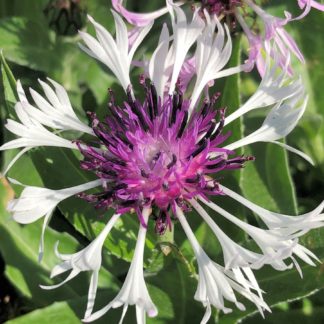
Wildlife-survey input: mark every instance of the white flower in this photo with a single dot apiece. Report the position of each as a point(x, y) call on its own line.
point(88, 259)
point(134, 290)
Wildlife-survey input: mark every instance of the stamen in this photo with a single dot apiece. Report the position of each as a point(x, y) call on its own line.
point(183, 124)
point(120, 186)
point(154, 100)
point(203, 145)
point(144, 174)
point(194, 180)
point(116, 116)
point(180, 101)
point(173, 162)
point(209, 132)
point(220, 125)
point(127, 203)
point(217, 165)
point(111, 173)
point(165, 186)
point(205, 108)
point(116, 161)
point(175, 101)
point(124, 139)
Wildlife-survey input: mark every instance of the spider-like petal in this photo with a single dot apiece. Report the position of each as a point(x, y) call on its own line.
point(215, 283)
point(134, 290)
point(88, 259)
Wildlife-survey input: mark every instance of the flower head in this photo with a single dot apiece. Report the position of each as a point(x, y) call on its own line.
point(164, 154)
point(154, 153)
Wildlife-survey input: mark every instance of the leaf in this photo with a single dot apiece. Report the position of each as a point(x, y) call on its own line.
point(270, 174)
point(32, 9)
point(295, 316)
point(28, 43)
point(179, 286)
point(9, 82)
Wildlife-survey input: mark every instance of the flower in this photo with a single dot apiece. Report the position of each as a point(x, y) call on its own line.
point(161, 152)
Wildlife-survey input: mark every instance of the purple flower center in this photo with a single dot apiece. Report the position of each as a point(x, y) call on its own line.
point(152, 153)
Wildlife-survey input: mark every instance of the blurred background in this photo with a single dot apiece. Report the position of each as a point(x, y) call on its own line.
point(38, 38)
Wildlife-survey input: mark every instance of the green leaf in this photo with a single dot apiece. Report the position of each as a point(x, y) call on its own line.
point(179, 286)
point(9, 82)
point(28, 43)
point(32, 9)
point(270, 174)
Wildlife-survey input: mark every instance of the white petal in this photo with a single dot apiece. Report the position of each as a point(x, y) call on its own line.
point(123, 314)
point(21, 93)
point(134, 290)
point(281, 120)
point(212, 54)
point(107, 50)
point(206, 315)
point(294, 150)
point(47, 218)
point(35, 202)
point(234, 254)
point(275, 220)
point(63, 97)
point(184, 37)
point(92, 293)
point(273, 245)
point(140, 36)
point(72, 275)
point(272, 89)
point(158, 62)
